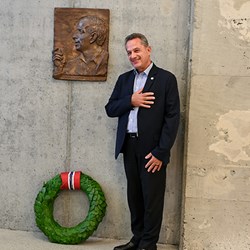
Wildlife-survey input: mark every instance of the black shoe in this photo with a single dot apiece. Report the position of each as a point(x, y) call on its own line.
point(129, 246)
point(148, 248)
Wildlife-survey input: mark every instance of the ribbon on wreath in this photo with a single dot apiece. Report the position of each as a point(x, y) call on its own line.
point(71, 180)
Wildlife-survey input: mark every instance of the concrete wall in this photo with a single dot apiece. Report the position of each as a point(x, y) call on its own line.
point(49, 126)
point(217, 200)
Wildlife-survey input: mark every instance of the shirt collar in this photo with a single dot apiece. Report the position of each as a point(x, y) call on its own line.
point(146, 71)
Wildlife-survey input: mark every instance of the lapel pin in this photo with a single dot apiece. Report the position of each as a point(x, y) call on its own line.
point(152, 78)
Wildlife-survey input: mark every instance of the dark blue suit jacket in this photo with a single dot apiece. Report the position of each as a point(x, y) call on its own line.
point(158, 125)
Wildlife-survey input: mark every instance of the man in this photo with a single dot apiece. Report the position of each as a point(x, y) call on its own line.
point(146, 101)
point(89, 37)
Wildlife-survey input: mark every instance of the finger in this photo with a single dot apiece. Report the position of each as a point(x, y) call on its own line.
point(152, 164)
point(139, 91)
point(149, 98)
point(148, 93)
point(149, 168)
point(148, 102)
point(158, 167)
point(148, 164)
point(145, 106)
point(153, 168)
point(148, 156)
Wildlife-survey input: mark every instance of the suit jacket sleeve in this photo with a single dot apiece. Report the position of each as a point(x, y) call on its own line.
point(118, 103)
point(171, 121)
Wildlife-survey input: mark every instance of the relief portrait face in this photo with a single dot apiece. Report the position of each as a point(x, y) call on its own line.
point(81, 44)
point(82, 37)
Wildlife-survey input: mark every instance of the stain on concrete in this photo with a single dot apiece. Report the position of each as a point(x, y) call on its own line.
point(205, 224)
point(233, 140)
point(199, 172)
point(235, 8)
point(238, 3)
point(235, 19)
point(218, 182)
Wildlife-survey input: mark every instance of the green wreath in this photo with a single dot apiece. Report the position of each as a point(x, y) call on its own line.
point(73, 235)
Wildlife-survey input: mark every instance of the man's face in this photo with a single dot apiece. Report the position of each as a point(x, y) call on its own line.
point(81, 36)
point(138, 54)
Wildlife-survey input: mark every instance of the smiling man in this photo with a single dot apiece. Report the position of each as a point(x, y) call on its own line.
point(146, 102)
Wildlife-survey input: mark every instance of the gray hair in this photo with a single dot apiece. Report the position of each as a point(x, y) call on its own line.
point(97, 25)
point(132, 36)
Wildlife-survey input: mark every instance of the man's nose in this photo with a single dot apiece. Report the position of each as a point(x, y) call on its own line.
point(75, 36)
point(132, 55)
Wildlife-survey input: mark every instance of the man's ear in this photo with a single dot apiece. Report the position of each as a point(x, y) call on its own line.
point(149, 49)
point(93, 37)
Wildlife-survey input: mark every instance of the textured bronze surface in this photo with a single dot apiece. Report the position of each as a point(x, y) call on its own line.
point(81, 39)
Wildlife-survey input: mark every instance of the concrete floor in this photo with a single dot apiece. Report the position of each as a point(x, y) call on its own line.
point(20, 240)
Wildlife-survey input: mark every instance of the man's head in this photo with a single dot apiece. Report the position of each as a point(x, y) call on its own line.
point(90, 30)
point(138, 51)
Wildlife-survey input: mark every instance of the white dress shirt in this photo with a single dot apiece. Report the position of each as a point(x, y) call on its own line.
point(139, 83)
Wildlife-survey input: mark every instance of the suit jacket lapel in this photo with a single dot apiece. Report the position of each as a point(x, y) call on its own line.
point(150, 79)
point(130, 84)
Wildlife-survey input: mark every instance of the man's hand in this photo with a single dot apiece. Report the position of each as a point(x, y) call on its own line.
point(153, 163)
point(58, 59)
point(144, 100)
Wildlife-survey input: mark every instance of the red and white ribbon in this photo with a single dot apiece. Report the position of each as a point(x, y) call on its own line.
point(71, 180)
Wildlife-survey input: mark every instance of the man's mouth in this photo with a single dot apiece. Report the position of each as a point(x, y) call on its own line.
point(77, 44)
point(135, 62)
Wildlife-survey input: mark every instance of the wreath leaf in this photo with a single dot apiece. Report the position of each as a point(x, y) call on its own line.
point(43, 208)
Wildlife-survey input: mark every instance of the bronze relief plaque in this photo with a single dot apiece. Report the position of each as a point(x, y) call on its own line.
point(81, 38)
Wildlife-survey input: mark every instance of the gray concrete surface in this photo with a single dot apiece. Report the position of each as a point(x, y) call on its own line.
point(49, 126)
point(20, 240)
point(217, 198)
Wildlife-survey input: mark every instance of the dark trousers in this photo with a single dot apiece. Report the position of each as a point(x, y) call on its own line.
point(145, 191)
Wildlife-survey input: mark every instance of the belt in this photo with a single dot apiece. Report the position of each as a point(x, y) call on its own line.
point(132, 135)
